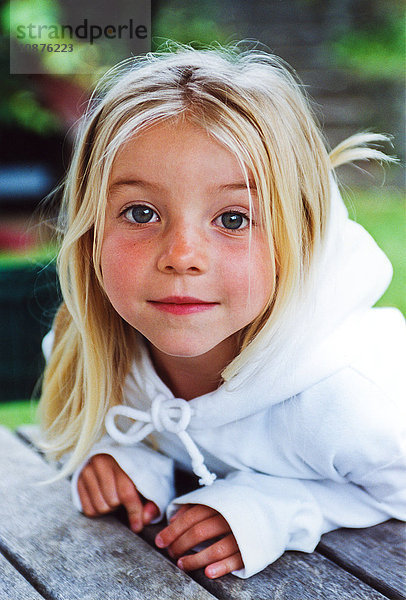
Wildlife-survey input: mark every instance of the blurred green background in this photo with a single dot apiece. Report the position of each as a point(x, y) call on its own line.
point(350, 54)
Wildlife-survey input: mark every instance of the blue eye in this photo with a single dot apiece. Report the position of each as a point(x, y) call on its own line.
point(233, 220)
point(141, 214)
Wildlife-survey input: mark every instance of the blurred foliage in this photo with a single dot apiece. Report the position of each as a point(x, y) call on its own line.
point(47, 12)
point(19, 104)
point(369, 36)
point(201, 19)
point(22, 107)
point(370, 41)
point(40, 255)
point(375, 49)
point(87, 59)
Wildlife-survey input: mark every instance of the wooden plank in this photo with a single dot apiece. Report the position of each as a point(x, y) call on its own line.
point(67, 556)
point(13, 586)
point(377, 555)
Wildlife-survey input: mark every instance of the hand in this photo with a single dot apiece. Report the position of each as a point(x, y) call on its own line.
point(192, 525)
point(103, 486)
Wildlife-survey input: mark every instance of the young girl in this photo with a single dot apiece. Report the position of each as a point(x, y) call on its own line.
point(217, 317)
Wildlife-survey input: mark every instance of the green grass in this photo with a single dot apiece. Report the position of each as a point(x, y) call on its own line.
point(383, 214)
point(380, 211)
point(20, 412)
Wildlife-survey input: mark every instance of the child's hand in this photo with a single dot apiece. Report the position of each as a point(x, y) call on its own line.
point(192, 525)
point(103, 486)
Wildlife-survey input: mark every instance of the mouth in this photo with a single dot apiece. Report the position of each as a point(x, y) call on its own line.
point(181, 305)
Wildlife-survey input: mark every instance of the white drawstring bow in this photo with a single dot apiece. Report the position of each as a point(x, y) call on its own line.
point(167, 414)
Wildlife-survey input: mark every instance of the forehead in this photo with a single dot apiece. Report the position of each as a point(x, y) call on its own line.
point(176, 149)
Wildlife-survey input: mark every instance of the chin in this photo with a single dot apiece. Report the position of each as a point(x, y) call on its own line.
point(182, 348)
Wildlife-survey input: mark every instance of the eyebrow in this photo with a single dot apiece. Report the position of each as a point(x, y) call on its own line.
point(234, 186)
point(133, 182)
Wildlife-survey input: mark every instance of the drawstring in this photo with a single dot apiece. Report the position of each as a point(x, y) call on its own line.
point(171, 415)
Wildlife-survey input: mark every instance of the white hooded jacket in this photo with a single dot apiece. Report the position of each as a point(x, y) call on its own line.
point(299, 446)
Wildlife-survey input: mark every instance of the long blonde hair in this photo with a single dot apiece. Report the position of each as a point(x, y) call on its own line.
point(250, 102)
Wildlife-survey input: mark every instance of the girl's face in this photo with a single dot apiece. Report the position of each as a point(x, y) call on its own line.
point(176, 259)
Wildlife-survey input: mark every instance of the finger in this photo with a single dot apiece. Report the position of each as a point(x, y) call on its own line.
point(179, 526)
point(92, 487)
point(222, 567)
point(198, 533)
point(150, 512)
point(87, 506)
point(129, 497)
point(180, 512)
point(219, 552)
point(104, 467)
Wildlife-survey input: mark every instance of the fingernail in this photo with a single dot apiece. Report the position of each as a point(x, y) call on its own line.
point(159, 541)
point(211, 571)
point(180, 564)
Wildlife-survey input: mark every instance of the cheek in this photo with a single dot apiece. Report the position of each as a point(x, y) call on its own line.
point(264, 274)
point(249, 277)
point(120, 266)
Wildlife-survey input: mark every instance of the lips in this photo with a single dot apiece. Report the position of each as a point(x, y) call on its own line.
point(182, 300)
point(180, 305)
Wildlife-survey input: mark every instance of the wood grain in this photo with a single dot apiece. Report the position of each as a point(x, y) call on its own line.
point(13, 586)
point(377, 555)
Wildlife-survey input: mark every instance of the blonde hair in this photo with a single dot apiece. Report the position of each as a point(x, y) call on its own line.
point(250, 102)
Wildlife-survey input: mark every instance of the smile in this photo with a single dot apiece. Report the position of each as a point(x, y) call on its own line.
point(182, 305)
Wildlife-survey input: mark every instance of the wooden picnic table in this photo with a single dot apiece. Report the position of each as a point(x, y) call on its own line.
point(49, 550)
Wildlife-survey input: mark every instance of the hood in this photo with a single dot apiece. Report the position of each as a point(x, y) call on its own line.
point(351, 276)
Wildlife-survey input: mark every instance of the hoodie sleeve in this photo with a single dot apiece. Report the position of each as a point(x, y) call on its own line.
point(151, 472)
point(353, 449)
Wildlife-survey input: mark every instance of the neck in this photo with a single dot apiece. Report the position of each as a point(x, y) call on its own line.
point(190, 377)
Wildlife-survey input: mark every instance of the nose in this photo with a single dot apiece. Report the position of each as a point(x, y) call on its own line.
point(183, 251)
